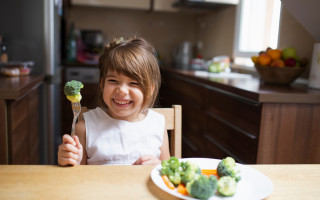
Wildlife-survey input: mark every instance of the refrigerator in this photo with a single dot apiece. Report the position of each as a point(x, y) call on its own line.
point(32, 32)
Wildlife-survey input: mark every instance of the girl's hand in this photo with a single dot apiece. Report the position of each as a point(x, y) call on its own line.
point(147, 160)
point(70, 151)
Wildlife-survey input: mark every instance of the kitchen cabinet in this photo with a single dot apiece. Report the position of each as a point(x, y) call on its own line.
point(132, 4)
point(242, 118)
point(19, 119)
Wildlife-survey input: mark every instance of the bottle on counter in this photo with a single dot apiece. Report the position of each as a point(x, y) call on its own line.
point(3, 51)
point(72, 45)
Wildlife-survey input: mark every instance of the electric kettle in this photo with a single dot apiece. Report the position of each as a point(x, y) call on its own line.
point(182, 55)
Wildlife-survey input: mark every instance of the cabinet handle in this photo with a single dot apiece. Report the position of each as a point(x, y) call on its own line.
point(246, 133)
point(223, 148)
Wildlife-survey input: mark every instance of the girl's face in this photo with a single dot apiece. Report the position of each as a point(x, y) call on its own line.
point(123, 97)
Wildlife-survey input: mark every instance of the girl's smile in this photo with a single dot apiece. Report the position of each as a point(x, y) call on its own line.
point(123, 97)
point(122, 102)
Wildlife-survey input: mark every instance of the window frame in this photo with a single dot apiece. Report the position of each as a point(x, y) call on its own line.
point(236, 46)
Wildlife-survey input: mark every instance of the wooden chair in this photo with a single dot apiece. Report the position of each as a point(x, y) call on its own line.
point(173, 119)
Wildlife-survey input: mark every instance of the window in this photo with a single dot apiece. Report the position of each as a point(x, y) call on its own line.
point(257, 27)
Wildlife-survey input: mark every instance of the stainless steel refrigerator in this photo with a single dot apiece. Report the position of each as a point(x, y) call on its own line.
point(32, 32)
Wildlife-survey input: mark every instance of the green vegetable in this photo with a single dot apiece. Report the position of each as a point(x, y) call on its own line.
point(175, 178)
point(227, 186)
point(172, 169)
point(179, 171)
point(202, 187)
point(227, 167)
point(72, 88)
point(189, 170)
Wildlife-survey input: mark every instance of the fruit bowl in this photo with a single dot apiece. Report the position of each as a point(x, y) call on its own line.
point(279, 75)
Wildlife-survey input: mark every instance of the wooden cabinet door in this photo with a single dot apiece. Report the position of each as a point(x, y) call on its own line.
point(23, 131)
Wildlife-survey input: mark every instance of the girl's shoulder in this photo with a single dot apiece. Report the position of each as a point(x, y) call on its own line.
point(155, 115)
point(95, 111)
point(95, 114)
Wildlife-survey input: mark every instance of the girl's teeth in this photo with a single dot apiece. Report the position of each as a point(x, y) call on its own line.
point(122, 102)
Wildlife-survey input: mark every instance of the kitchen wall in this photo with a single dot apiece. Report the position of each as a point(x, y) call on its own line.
point(292, 33)
point(165, 30)
point(216, 31)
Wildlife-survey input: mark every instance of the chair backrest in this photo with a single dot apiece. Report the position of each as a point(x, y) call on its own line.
point(173, 119)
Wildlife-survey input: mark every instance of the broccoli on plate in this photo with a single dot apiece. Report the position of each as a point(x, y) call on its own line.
point(172, 169)
point(227, 167)
point(72, 90)
point(227, 186)
point(189, 171)
point(202, 187)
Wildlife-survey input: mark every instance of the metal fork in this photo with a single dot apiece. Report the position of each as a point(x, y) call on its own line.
point(76, 108)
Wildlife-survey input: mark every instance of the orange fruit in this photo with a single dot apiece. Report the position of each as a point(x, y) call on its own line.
point(274, 54)
point(278, 63)
point(264, 59)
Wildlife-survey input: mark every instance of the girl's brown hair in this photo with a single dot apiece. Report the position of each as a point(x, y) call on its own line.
point(136, 59)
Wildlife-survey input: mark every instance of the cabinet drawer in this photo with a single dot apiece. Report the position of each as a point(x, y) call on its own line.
point(214, 151)
point(193, 93)
point(193, 129)
point(193, 125)
point(235, 112)
point(231, 141)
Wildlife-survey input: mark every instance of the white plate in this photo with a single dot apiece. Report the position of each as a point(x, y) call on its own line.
point(253, 184)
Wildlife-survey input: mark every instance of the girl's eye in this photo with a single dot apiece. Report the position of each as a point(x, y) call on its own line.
point(134, 83)
point(112, 80)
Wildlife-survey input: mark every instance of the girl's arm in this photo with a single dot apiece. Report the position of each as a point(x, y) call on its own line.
point(165, 154)
point(81, 133)
point(151, 159)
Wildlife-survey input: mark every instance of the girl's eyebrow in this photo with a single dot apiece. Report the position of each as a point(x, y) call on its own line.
point(111, 75)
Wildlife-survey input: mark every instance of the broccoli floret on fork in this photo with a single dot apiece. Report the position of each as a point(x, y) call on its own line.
point(72, 90)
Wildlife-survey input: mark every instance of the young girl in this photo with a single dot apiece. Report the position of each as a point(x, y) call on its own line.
point(123, 131)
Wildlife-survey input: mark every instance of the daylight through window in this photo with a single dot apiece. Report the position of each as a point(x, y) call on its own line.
point(257, 27)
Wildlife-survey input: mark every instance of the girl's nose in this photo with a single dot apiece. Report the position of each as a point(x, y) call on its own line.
point(122, 89)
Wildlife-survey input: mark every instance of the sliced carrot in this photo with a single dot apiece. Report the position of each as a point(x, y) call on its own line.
point(167, 182)
point(182, 189)
point(209, 172)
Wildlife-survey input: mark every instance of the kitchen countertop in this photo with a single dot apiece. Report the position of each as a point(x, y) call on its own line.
point(252, 88)
point(133, 182)
point(14, 87)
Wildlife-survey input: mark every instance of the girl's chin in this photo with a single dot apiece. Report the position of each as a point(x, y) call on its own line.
point(121, 116)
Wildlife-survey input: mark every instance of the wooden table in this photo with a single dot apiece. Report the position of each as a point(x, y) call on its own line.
point(133, 182)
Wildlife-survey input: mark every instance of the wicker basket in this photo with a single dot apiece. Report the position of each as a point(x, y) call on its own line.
point(279, 75)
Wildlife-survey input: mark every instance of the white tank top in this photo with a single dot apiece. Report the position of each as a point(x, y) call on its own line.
point(118, 142)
